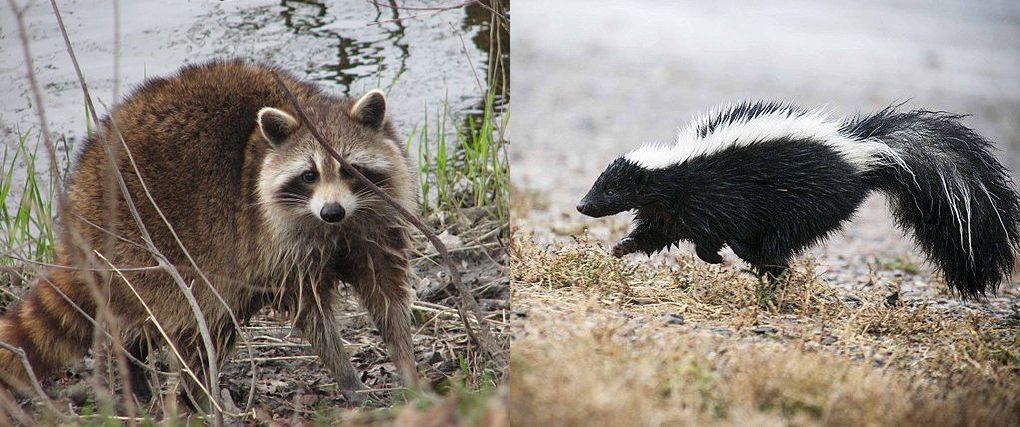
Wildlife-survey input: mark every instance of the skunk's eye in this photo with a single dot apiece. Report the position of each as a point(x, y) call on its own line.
point(610, 193)
point(309, 176)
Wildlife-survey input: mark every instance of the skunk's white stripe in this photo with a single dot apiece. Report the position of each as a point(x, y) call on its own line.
point(814, 125)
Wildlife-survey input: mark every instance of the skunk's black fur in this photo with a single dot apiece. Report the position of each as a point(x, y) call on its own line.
point(771, 198)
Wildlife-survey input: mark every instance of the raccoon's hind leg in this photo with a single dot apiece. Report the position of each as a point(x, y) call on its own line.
point(47, 328)
point(138, 375)
point(378, 274)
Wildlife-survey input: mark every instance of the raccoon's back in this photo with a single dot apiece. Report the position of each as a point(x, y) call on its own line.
point(189, 138)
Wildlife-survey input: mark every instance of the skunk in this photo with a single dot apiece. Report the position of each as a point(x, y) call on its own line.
point(771, 179)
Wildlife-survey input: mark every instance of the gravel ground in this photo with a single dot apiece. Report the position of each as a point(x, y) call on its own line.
point(595, 79)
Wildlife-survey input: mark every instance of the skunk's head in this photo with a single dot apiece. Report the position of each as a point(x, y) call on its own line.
point(621, 187)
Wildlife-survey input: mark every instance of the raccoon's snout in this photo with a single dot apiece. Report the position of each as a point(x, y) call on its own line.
point(332, 212)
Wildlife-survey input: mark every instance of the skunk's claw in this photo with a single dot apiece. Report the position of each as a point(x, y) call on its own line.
point(708, 255)
point(625, 246)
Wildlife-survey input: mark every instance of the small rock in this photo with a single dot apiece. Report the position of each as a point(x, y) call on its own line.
point(829, 340)
point(893, 299)
point(77, 393)
point(675, 319)
point(722, 331)
point(433, 358)
point(433, 220)
point(764, 330)
point(307, 399)
point(451, 241)
point(472, 215)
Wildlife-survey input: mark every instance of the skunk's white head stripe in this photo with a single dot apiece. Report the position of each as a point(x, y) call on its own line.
point(783, 123)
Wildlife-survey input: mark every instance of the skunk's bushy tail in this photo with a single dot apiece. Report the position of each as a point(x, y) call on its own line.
point(946, 186)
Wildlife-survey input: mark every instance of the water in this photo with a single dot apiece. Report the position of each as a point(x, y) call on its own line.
point(423, 58)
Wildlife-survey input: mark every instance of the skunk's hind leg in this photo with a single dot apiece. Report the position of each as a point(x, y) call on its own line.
point(771, 265)
point(709, 251)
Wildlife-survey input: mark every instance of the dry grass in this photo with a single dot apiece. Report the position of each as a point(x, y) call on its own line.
point(601, 341)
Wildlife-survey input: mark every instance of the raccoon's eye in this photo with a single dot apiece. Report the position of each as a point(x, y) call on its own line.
point(309, 176)
point(345, 174)
point(373, 175)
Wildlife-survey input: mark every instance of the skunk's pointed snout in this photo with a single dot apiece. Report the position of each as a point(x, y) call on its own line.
point(582, 207)
point(593, 209)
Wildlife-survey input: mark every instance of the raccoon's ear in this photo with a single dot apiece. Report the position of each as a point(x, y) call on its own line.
point(276, 125)
point(370, 110)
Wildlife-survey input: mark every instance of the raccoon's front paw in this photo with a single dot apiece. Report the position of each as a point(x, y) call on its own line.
point(355, 393)
point(625, 246)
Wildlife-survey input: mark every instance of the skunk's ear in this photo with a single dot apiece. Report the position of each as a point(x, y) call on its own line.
point(370, 110)
point(276, 125)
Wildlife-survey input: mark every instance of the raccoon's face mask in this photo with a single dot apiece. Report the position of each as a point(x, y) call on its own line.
point(299, 180)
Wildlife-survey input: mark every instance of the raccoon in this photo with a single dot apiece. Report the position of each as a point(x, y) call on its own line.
point(235, 193)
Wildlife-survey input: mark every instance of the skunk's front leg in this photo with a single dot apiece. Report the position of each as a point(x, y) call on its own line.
point(644, 238)
point(625, 246)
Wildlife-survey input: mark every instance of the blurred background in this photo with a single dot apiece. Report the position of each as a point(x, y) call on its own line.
point(594, 79)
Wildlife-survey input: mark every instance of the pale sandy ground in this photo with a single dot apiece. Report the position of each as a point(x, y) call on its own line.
point(594, 79)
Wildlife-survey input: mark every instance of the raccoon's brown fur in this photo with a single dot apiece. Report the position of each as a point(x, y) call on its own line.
point(212, 163)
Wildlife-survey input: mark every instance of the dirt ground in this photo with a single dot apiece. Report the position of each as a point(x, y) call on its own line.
point(597, 79)
point(272, 377)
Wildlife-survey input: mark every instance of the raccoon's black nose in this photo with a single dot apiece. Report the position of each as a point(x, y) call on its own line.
point(332, 212)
